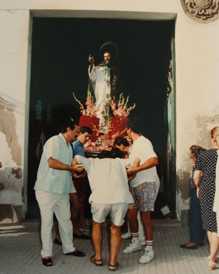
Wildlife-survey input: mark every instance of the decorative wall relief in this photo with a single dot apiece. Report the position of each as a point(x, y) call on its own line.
point(11, 179)
point(201, 10)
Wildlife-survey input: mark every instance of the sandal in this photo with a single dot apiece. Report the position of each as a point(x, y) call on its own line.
point(189, 245)
point(113, 267)
point(97, 262)
point(212, 265)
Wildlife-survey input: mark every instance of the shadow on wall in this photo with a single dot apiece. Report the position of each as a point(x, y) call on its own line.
point(182, 196)
point(182, 185)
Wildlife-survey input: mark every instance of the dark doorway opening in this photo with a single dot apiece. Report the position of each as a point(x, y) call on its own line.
point(60, 49)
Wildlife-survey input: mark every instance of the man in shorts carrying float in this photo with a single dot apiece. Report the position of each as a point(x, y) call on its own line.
point(144, 187)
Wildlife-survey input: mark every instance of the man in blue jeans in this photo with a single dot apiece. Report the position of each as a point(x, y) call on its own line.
point(81, 215)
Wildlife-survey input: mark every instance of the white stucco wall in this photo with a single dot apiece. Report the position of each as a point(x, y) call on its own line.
point(197, 92)
point(197, 61)
point(114, 5)
point(14, 25)
point(14, 31)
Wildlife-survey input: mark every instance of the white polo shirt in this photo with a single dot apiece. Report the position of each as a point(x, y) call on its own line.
point(108, 180)
point(142, 149)
point(50, 179)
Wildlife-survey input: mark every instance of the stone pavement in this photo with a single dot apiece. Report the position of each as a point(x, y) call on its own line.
point(20, 249)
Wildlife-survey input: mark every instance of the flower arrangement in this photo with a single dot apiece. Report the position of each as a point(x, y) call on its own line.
point(106, 125)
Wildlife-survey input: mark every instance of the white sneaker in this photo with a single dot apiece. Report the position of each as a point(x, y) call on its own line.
point(135, 245)
point(147, 257)
point(126, 236)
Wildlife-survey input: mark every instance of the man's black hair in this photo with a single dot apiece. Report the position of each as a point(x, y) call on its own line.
point(86, 130)
point(65, 123)
point(133, 123)
point(121, 141)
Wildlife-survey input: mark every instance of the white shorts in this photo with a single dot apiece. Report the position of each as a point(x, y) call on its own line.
point(116, 212)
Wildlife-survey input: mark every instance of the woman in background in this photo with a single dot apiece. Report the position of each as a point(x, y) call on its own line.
point(204, 178)
point(196, 230)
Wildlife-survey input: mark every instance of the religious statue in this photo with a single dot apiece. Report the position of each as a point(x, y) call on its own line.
point(103, 79)
point(105, 110)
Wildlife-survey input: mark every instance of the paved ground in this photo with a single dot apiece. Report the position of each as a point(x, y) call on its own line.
point(20, 248)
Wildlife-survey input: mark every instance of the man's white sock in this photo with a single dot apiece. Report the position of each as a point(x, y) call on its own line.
point(149, 245)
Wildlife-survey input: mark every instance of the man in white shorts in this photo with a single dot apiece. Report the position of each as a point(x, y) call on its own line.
point(110, 195)
point(144, 187)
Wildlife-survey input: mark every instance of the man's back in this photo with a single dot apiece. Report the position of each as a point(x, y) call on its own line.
point(142, 149)
point(108, 180)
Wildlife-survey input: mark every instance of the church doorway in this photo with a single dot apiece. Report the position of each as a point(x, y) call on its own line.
point(59, 61)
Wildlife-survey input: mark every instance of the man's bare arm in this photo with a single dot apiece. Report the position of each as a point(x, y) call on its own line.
point(197, 177)
point(56, 164)
point(151, 162)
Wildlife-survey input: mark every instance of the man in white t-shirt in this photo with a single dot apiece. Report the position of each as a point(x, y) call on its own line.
point(110, 195)
point(144, 187)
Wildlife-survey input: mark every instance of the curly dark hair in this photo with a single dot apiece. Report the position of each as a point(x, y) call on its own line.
point(196, 150)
